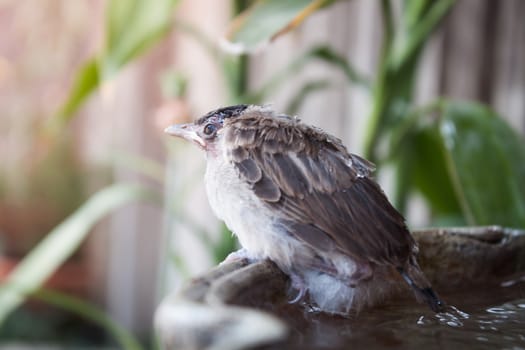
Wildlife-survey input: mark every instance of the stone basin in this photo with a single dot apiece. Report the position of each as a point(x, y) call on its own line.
point(244, 306)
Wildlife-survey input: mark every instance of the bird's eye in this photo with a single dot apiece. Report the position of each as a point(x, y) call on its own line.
point(210, 129)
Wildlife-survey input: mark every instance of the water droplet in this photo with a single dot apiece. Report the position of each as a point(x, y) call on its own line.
point(421, 320)
point(449, 319)
point(484, 321)
point(460, 313)
point(508, 283)
point(500, 311)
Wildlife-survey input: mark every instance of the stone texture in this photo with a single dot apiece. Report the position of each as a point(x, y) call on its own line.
point(220, 309)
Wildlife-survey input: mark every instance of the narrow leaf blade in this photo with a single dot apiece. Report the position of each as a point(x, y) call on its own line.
point(132, 31)
point(86, 81)
point(90, 312)
point(61, 242)
point(323, 54)
point(132, 27)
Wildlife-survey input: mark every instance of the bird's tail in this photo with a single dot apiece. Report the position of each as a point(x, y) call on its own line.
point(421, 286)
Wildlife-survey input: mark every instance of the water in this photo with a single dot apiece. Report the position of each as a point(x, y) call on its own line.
point(491, 316)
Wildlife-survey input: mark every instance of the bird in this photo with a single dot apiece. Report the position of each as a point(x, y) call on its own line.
point(295, 195)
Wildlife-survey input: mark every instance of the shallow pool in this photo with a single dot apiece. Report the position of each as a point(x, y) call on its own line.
point(490, 316)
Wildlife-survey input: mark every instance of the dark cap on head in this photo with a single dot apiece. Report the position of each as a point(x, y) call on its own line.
point(225, 112)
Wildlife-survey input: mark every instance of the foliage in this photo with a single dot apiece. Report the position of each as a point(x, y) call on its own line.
point(132, 27)
point(479, 170)
point(320, 53)
point(448, 151)
point(46, 186)
point(89, 312)
point(450, 158)
point(61, 243)
point(266, 20)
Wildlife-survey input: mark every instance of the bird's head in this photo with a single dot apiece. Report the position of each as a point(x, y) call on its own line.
point(206, 131)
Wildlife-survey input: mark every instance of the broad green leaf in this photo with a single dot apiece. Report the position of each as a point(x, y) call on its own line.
point(485, 159)
point(265, 20)
point(430, 173)
point(61, 242)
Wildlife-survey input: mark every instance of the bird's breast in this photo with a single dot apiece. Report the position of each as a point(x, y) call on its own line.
point(255, 224)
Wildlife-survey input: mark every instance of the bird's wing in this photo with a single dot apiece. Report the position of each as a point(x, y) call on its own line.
point(320, 193)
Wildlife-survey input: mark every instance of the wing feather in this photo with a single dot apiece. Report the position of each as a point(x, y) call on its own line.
point(321, 193)
point(249, 169)
point(267, 190)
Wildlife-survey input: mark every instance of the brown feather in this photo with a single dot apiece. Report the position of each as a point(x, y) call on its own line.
point(267, 190)
point(249, 170)
point(322, 193)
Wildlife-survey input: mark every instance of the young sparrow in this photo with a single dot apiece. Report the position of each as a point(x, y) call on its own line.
point(293, 194)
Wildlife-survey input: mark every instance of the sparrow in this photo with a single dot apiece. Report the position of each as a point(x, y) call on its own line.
point(293, 194)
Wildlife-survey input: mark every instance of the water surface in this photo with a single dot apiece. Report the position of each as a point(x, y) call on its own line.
point(490, 316)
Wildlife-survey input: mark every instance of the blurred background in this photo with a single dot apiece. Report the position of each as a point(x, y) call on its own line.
point(102, 215)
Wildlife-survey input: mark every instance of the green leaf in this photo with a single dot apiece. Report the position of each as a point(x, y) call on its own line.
point(403, 43)
point(86, 81)
point(90, 312)
point(227, 244)
point(485, 159)
point(132, 27)
point(329, 56)
point(430, 173)
point(265, 20)
point(118, 13)
point(61, 242)
point(408, 44)
point(413, 12)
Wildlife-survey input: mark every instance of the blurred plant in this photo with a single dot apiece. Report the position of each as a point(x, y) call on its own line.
point(265, 20)
point(48, 187)
point(132, 26)
point(449, 151)
point(234, 74)
point(30, 274)
point(442, 150)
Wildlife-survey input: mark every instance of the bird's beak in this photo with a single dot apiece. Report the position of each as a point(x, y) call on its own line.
point(186, 131)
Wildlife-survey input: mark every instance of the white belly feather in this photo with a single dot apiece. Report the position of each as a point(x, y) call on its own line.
point(255, 226)
point(234, 202)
